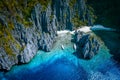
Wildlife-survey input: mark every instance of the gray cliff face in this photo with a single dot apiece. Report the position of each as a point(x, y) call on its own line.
point(87, 45)
point(42, 33)
point(66, 11)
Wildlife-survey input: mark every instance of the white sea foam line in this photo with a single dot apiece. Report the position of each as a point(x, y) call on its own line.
point(100, 27)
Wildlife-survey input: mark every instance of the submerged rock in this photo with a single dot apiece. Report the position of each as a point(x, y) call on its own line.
point(87, 45)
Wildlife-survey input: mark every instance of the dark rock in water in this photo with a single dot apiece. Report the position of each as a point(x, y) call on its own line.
point(87, 45)
point(78, 35)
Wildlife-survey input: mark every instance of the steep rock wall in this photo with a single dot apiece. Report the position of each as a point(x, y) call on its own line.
point(19, 43)
point(87, 45)
point(72, 13)
point(41, 35)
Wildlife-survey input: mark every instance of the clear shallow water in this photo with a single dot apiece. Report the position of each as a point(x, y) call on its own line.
point(63, 65)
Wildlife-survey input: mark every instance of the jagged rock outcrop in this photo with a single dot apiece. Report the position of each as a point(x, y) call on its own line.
point(44, 20)
point(87, 45)
point(41, 35)
point(71, 13)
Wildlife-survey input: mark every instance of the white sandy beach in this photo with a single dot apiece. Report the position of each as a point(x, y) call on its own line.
point(83, 29)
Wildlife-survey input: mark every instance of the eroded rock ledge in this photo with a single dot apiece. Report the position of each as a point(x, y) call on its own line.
point(41, 35)
point(87, 45)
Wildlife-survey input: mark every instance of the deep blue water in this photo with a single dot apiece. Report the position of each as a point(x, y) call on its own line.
point(60, 69)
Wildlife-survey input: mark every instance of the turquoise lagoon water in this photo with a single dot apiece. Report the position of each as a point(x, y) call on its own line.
point(63, 65)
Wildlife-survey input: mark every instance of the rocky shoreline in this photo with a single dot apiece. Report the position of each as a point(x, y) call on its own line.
point(87, 45)
point(42, 33)
point(30, 39)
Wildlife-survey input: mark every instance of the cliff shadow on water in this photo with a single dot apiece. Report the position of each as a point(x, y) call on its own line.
point(111, 40)
point(107, 12)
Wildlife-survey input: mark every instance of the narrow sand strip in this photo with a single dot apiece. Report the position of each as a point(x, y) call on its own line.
point(83, 29)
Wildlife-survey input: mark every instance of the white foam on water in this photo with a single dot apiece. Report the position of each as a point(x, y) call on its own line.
point(100, 27)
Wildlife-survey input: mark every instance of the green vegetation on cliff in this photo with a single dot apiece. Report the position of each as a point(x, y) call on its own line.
point(77, 22)
point(21, 11)
point(72, 3)
point(6, 40)
point(83, 17)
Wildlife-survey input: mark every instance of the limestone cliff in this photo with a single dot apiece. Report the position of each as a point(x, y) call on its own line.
point(87, 45)
point(26, 41)
point(27, 26)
